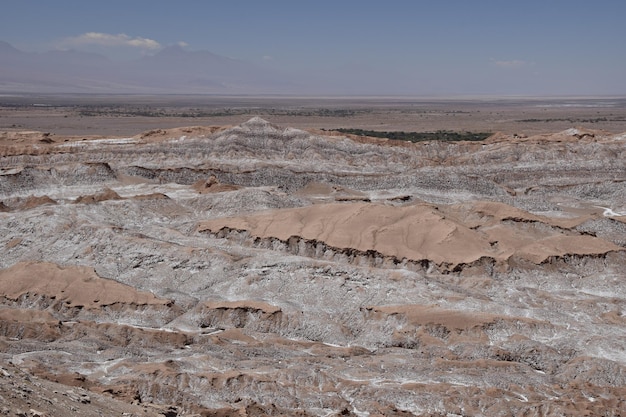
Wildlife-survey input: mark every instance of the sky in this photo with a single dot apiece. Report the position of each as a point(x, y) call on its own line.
point(396, 47)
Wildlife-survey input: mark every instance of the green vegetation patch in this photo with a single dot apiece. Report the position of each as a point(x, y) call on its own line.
point(149, 111)
point(440, 135)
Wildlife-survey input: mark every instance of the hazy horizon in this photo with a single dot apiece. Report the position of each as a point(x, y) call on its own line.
point(421, 48)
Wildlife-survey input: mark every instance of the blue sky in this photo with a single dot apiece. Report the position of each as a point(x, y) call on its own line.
point(393, 47)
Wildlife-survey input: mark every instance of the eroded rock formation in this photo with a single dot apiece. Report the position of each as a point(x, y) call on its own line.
point(264, 270)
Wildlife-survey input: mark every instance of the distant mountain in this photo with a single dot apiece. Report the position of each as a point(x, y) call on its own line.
point(172, 70)
point(6, 49)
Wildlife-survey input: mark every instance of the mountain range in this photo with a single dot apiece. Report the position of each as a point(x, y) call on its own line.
point(171, 70)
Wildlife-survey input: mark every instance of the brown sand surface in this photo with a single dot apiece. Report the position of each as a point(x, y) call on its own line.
point(414, 232)
point(74, 285)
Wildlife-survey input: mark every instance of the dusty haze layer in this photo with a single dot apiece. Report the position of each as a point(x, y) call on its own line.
point(266, 270)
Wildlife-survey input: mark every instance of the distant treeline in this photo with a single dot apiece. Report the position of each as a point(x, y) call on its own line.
point(123, 111)
point(440, 135)
point(571, 120)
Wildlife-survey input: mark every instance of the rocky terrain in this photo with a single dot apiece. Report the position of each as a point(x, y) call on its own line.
point(265, 270)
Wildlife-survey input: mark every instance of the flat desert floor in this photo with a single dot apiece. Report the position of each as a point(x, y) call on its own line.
point(129, 115)
point(218, 256)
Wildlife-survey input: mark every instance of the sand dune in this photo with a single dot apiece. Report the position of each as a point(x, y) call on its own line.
point(420, 232)
point(74, 286)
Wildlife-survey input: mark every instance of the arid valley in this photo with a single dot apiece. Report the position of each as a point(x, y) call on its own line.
point(257, 256)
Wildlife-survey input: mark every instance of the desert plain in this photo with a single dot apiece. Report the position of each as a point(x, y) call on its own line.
point(217, 256)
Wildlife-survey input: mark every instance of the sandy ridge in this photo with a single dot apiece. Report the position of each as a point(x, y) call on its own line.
point(74, 285)
point(418, 232)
